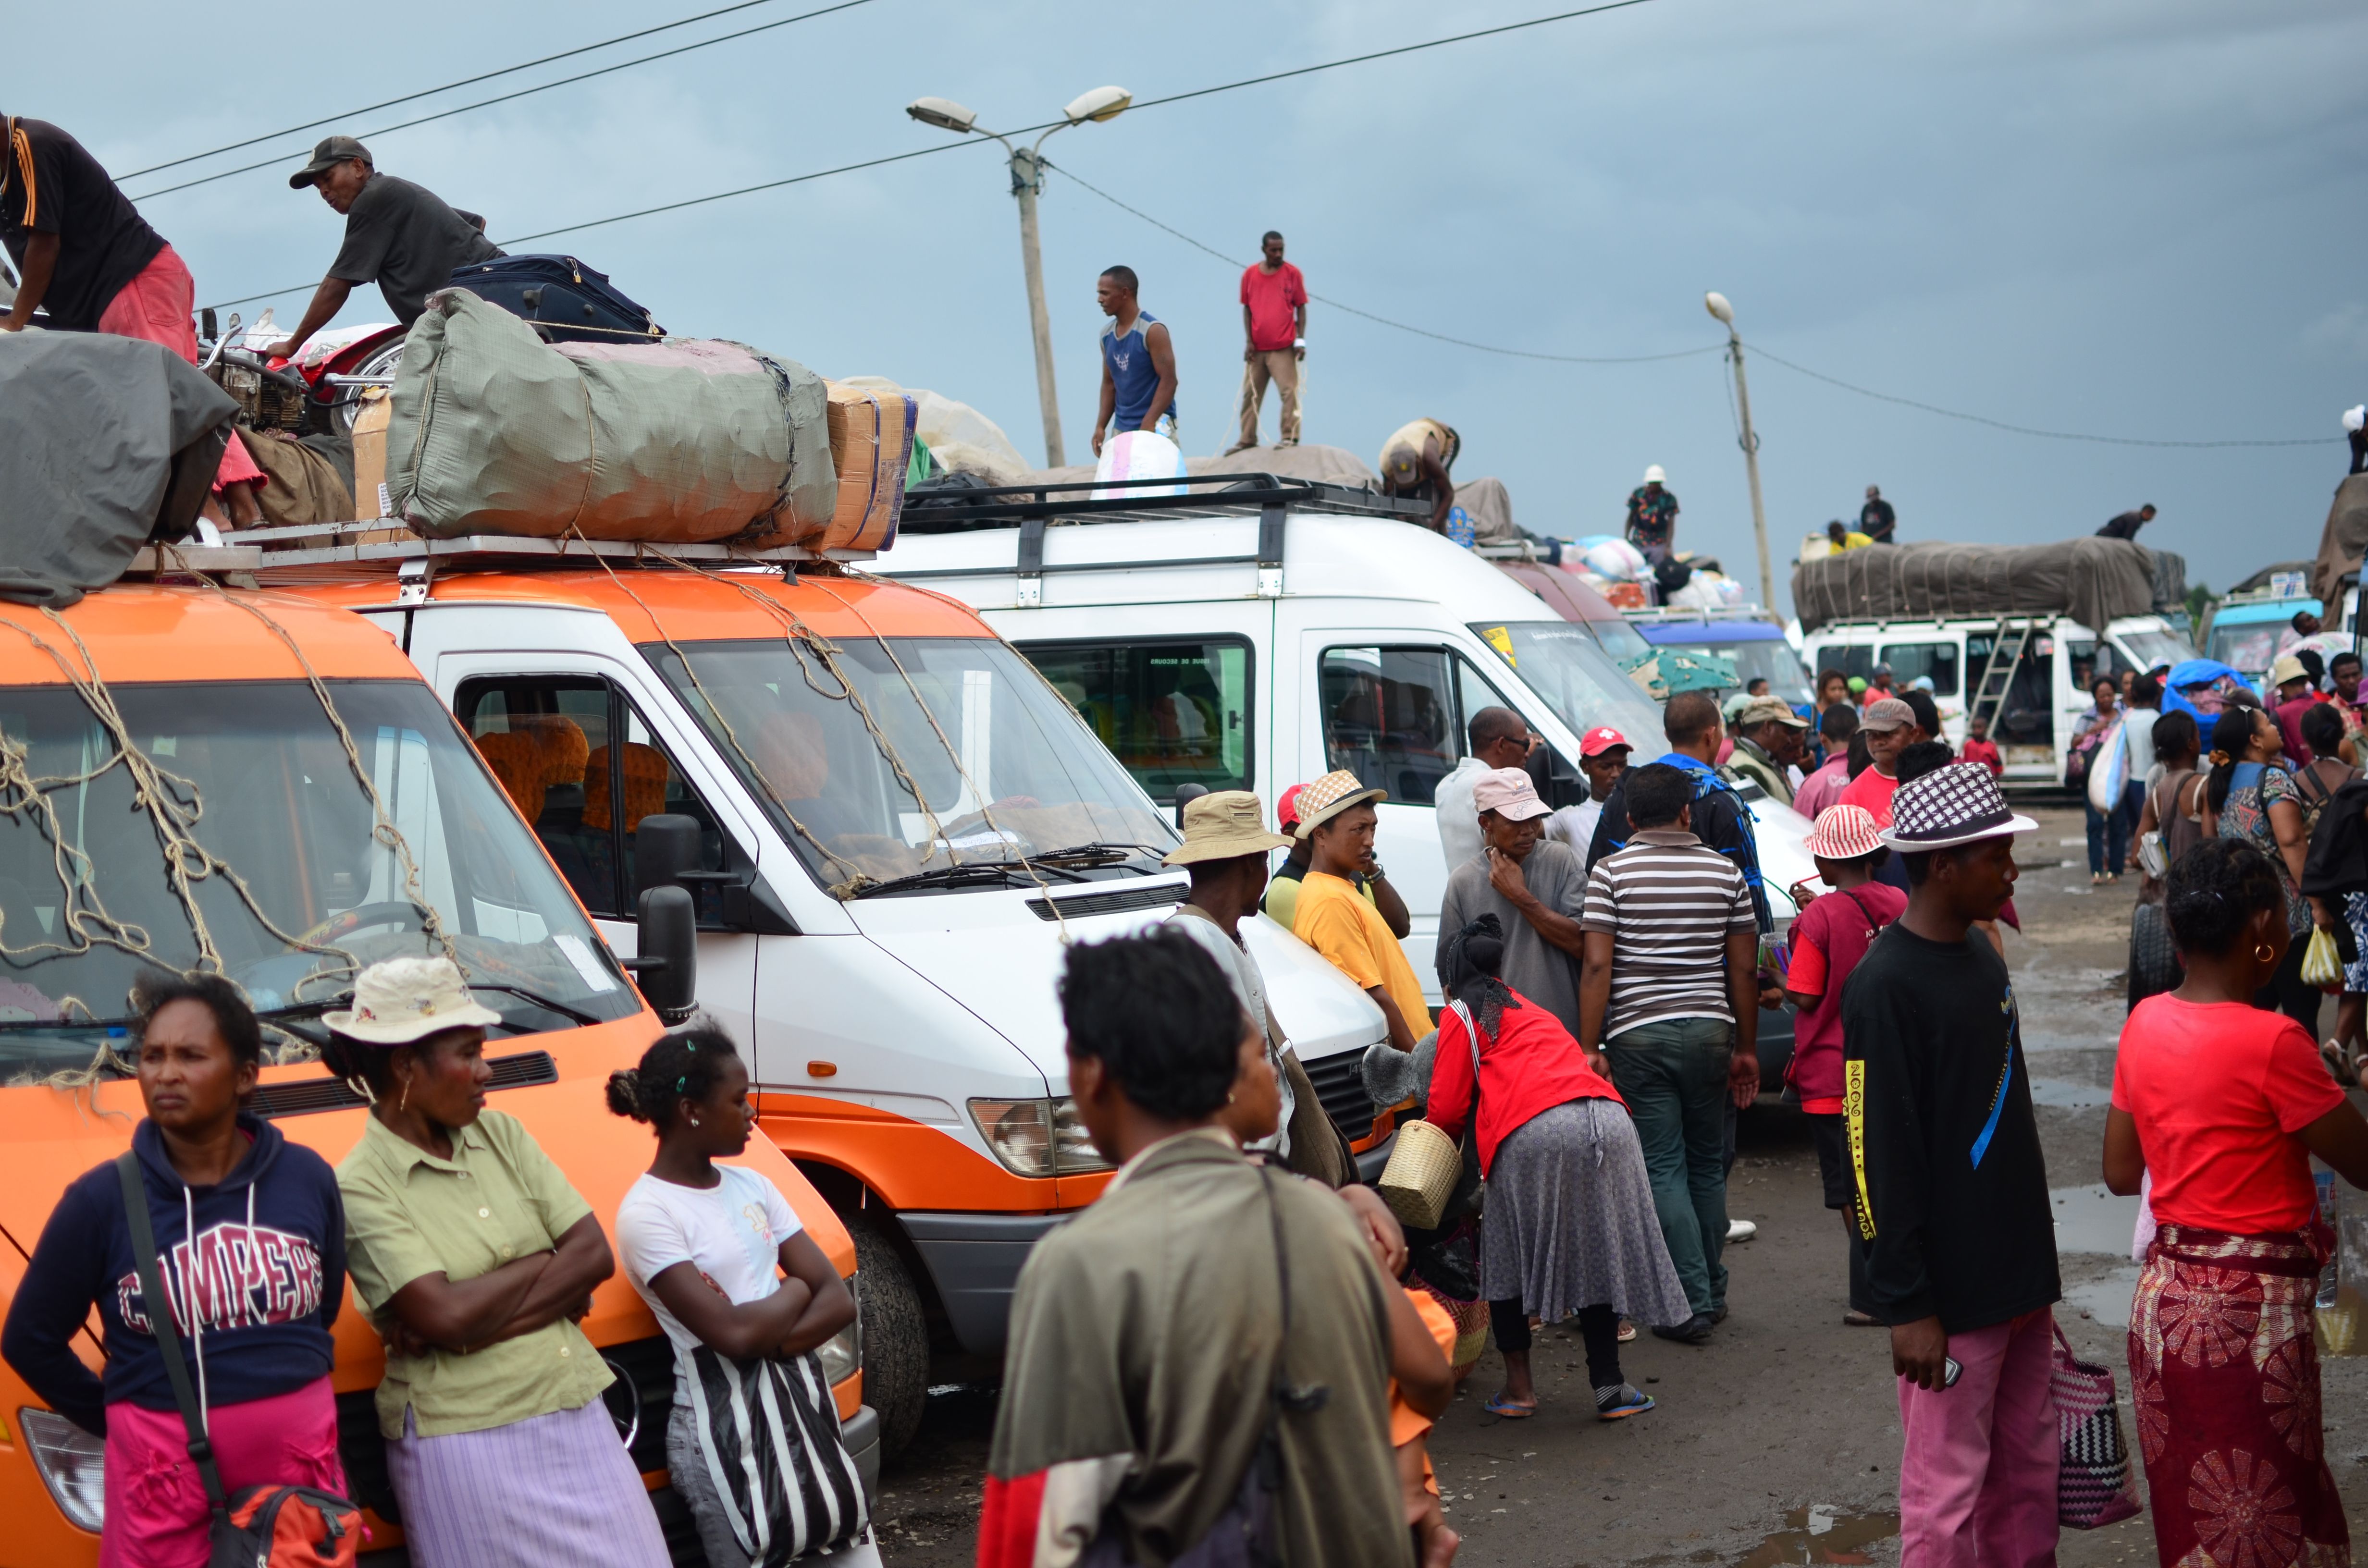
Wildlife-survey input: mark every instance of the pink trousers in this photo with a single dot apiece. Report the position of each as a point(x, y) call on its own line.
point(1977, 1473)
point(155, 308)
point(156, 1513)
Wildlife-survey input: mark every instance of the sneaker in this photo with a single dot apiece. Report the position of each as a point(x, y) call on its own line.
point(1740, 1231)
point(1695, 1330)
point(1615, 1404)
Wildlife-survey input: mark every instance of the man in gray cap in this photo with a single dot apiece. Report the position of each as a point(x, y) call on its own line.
point(1767, 736)
point(1891, 728)
point(399, 235)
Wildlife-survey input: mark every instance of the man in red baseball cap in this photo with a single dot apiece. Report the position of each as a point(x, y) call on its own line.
point(1603, 754)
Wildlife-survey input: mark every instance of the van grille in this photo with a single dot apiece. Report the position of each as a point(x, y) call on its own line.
point(1339, 1083)
point(1118, 902)
point(312, 1096)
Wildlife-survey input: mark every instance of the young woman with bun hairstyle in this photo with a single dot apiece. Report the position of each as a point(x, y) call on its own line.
point(2223, 1103)
point(2253, 797)
point(744, 1297)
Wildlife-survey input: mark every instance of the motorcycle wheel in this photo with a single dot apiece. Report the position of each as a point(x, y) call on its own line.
point(384, 362)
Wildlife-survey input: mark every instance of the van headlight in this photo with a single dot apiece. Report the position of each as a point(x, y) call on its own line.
point(842, 1353)
point(72, 1464)
point(1037, 1138)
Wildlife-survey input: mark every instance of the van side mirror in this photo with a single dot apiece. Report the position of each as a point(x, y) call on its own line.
point(668, 853)
point(1185, 795)
point(667, 969)
point(665, 848)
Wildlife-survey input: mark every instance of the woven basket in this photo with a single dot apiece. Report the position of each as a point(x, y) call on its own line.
point(1421, 1176)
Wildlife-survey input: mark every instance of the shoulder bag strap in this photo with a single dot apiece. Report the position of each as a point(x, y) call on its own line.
point(160, 1324)
point(1873, 924)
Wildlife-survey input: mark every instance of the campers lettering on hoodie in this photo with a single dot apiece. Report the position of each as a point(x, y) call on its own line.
point(256, 1266)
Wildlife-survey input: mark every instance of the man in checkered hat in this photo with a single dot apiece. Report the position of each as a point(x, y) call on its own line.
point(1951, 1187)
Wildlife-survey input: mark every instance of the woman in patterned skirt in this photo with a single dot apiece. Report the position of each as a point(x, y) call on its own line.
point(2224, 1104)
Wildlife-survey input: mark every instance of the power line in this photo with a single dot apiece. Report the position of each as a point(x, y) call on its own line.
point(1384, 321)
point(2016, 429)
point(431, 92)
point(1150, 102)
point(506, 97)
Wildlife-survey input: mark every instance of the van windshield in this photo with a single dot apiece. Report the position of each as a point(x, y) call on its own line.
point(287, 882)
point(933, 755)
point(1570, 671)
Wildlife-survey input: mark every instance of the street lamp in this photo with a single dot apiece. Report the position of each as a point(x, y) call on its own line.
point(1027, 183)
point(1715, 303)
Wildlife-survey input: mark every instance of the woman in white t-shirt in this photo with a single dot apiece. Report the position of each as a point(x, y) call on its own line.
point(745, 1296)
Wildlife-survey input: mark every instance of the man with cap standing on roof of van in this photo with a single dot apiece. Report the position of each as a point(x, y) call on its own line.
point(1876, 519)
point(1499, 738)
point(399, 235)
point(1415, 464)
point(1950, 1186)
point(2355, 430)
point(1653, 515)
point(1767, 736)
point(1226, 849)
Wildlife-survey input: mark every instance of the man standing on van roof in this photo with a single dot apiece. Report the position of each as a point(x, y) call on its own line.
point(1274, 324)
point(1138, 362)
point(399, 235)
point(1876, 519)
point(2127, 525)
point(1414, 464)
point(1653, 515)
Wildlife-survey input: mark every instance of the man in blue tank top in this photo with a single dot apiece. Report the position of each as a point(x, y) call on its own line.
point(1138, 363)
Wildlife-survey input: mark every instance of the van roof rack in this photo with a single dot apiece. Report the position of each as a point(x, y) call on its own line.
point(1143, 500)
point(1724, 612)
point(309, 551)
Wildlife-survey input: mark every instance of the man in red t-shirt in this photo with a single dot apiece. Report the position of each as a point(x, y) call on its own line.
point(1274, 326)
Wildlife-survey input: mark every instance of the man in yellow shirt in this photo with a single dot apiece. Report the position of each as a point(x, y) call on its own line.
point(1337, 820)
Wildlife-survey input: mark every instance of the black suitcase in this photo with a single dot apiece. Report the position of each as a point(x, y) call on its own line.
point(566, 301)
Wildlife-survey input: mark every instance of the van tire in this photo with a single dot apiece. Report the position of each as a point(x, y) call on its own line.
point(895, 1337)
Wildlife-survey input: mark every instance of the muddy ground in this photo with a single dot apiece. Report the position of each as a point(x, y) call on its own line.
point(1779, 1441)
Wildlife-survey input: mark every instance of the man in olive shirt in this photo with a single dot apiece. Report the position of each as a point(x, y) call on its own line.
point(399, 235)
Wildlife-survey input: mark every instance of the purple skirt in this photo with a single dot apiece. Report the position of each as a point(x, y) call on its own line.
point(555, 1489)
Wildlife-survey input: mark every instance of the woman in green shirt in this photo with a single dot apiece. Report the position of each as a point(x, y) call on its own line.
point(474, 1258)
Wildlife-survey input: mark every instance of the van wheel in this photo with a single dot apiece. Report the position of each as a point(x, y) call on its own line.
point(895, 1337)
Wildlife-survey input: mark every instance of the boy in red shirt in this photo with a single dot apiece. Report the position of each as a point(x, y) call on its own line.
point(1979, 747)
point(1274, 327)
point(1827, 940)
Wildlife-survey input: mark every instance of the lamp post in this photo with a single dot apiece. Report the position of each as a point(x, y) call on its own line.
point(1026, 184)
point(1715, 303)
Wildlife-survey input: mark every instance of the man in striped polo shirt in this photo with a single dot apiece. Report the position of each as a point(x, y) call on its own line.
point(1668, 1003)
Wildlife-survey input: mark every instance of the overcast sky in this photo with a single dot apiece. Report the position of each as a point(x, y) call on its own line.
point(2123, 218)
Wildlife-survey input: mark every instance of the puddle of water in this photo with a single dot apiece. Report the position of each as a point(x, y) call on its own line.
point(1821, 1534)
point(2107, 1299)
point(2089, 1218)
point(2070, 1095)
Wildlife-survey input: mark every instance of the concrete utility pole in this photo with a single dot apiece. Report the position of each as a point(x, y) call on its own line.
point(1717, 304)
point(1027, 184)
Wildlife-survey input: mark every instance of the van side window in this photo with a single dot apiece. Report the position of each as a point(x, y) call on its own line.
point(1850, 658)
point(1390, 717)
point(1172, 712)
point(2027, 715)
point(1910, 661)
point(550, 741)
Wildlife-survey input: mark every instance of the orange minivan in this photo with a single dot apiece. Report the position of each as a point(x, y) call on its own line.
point(263, 784)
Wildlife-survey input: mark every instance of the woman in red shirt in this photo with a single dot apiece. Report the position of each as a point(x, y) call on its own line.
point(2223, 1103)
point(1571, 1226)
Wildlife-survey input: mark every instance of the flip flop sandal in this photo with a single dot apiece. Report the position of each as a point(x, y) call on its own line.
point(2338, 1065)
point(1499, 1406)
point(1856, 1319)
point(1627, 1332)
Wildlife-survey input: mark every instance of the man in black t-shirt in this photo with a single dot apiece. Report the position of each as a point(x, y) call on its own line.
point(75, 240)
point(399, 235)
point(1876, 519)
point(2127, 524)
point(1950, 1188)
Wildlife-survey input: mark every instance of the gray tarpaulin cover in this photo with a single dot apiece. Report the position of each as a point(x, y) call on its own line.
point(494, 431)
point(110, 441)
point(2092, 580)
point(2341, 546)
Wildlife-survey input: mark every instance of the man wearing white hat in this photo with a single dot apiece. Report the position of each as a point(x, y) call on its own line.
point(1653, 515)
point(2355, 430)
point(1950, 1186)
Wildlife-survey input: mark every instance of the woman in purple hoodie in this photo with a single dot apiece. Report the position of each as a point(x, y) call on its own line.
point(249, 1231)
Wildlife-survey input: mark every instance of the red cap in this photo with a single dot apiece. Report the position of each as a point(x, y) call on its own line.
point(1601, 739)
point(1286, 811)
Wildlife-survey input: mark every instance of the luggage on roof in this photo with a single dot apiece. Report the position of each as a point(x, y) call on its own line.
point(2092, 580)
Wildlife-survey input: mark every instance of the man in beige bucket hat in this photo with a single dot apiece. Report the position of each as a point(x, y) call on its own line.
point(1226, 849)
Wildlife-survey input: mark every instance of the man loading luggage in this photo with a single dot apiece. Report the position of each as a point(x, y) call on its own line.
point(399, 235)
point(1415, 464)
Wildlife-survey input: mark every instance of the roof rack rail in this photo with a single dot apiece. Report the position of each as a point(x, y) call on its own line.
point(308, 552)
point(1723, 613)
point(1143, 500)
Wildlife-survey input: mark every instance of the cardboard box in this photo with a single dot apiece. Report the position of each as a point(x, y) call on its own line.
point(871, 444)
point(369, 454)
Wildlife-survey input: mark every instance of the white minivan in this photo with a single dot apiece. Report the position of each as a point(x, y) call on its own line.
point(1265, 633)
point(2038, 668)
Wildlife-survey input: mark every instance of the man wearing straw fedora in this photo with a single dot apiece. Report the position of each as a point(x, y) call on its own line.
point(1226, 849)
point(1951, 1187)
point(1337, 820)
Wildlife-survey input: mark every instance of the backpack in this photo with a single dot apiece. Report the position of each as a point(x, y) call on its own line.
point(264, 1527)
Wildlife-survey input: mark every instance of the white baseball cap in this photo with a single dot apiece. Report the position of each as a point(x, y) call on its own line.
point(1653, 475)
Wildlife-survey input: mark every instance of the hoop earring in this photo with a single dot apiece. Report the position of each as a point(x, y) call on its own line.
point(2264, 953)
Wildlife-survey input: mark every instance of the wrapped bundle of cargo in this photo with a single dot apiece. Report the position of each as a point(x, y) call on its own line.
point(494, 431)
point(871, 443)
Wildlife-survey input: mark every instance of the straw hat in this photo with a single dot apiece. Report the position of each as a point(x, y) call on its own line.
point(1224, 825)
point(405, 1000)
point(1329, 795)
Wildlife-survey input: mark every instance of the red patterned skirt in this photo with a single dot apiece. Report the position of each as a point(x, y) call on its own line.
point(2223, 1372)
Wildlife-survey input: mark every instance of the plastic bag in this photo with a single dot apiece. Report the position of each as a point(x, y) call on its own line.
point(2321, 965)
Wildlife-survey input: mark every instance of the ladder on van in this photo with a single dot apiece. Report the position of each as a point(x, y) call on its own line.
point(1998, 676)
